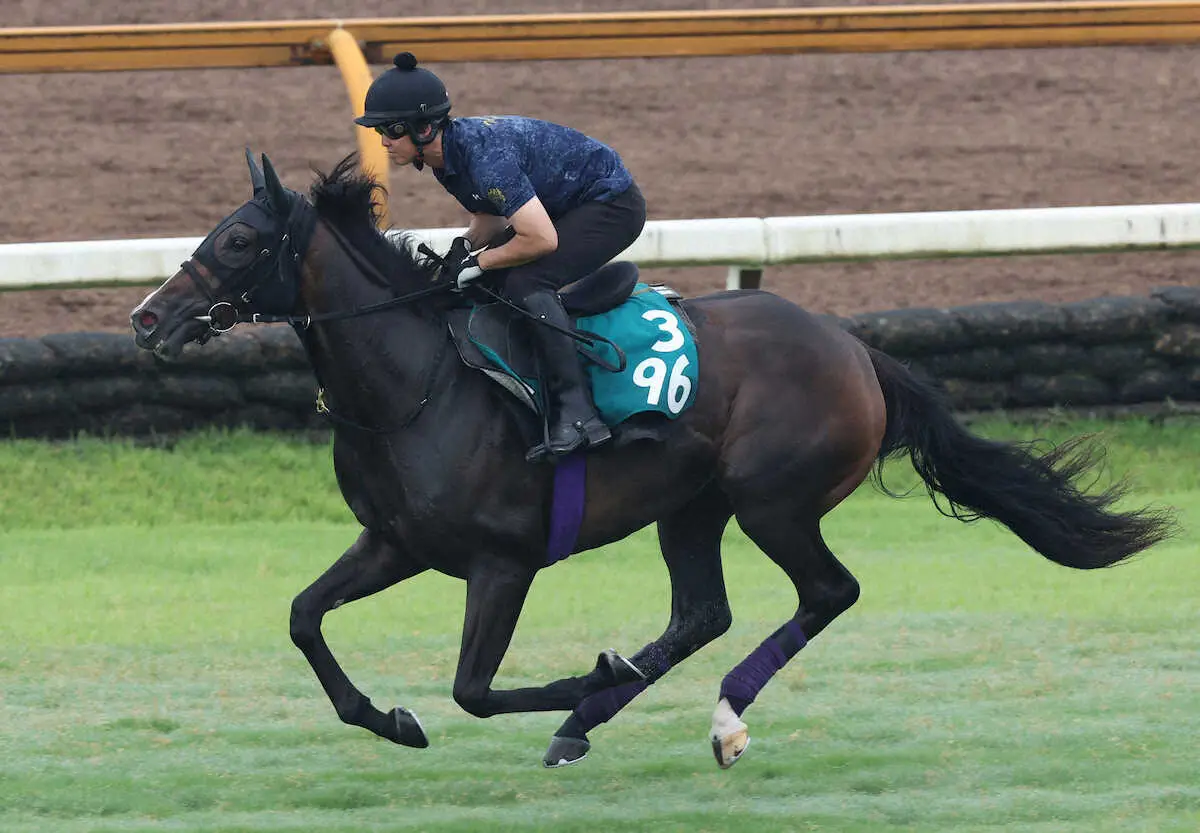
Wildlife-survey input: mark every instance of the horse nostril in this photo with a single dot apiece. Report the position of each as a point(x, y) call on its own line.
point(147, 319)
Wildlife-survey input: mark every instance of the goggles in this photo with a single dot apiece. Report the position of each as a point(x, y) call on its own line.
point(395, 130)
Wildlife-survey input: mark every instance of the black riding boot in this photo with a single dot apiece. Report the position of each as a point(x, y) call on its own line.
point(573, 421)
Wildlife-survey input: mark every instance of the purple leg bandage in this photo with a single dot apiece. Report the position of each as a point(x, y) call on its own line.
point(603, 705)
point(600, 707)
point(743, 683)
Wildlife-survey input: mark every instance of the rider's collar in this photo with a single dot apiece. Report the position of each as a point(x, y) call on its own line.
point(449, 151)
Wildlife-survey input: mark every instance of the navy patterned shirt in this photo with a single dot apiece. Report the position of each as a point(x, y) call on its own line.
point(496, 164)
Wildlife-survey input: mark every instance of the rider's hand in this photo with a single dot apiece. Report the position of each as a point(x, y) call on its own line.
point(464, 272)
point(461, 266)
point(460, 247)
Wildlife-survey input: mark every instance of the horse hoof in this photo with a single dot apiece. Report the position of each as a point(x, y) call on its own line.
point(728, 749)
point(408, 728)
point(565, 751)
point(729, 735)
point(617, 669)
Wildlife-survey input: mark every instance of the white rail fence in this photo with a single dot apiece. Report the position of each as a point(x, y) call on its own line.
point(745, 244)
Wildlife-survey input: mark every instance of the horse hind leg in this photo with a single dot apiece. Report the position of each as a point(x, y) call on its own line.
point(690, 540)
point(825, 589)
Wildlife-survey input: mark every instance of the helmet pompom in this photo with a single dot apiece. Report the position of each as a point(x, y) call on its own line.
point(405, 61)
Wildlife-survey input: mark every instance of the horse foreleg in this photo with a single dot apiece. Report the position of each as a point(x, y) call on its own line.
point(690, 540)
point(370, 565)
point(825, 588)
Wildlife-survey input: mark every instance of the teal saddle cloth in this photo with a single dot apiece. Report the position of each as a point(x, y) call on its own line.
point(642, 358)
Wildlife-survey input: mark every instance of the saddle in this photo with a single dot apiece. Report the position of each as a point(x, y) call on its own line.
point(497, 341)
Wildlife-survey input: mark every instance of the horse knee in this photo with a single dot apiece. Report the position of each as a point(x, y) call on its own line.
point(304, 625)
point(473, 700)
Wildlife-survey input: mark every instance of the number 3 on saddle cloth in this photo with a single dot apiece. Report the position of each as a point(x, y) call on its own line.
point(656, 381)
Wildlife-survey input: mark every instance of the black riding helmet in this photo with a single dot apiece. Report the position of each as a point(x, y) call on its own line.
point(406, 93)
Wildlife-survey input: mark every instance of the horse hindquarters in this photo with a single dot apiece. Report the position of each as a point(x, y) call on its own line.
point(1034, 496)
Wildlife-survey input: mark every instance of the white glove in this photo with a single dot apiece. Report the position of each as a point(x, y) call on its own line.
point(466, 272)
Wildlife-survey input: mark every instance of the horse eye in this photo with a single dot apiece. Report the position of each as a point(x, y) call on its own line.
point(235, 246)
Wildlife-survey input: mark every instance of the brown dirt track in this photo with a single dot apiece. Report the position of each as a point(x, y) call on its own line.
point(158, 154)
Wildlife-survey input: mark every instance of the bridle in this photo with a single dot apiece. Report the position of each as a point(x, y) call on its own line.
point(284, 258)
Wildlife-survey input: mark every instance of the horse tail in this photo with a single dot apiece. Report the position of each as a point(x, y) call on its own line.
point(1033, 494)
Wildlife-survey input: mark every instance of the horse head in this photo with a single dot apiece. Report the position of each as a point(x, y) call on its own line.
point(246, 267)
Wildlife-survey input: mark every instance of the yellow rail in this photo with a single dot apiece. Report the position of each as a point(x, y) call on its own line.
point(608, 35)
point(356, 75)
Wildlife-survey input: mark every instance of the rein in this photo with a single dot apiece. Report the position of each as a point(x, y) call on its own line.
point(338, 315)
point(588, 339)
point(223, 316)
point(306, 320)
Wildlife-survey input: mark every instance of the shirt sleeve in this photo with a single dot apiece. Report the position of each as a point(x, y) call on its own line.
point(500, 179)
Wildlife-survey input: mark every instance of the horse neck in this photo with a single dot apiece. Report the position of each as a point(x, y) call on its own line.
point(373, 366)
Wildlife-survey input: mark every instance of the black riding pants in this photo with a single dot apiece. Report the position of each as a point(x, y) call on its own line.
point(588, 237)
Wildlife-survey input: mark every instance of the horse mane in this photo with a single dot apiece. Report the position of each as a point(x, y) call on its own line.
point(346, 198)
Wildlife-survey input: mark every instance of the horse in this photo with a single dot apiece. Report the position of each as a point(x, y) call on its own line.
point(790, 415)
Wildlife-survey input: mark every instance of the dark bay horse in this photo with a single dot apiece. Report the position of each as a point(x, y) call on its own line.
point(791, 414)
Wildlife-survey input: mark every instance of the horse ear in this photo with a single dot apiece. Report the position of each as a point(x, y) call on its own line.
point(256, 175)
point(276, 193)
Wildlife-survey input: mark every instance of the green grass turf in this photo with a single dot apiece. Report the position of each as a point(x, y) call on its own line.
point(147, 681)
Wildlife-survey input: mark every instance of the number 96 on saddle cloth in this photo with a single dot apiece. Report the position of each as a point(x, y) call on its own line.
point(662, 368)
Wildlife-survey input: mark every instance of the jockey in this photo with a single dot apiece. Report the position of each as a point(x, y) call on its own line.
point(567, 200)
